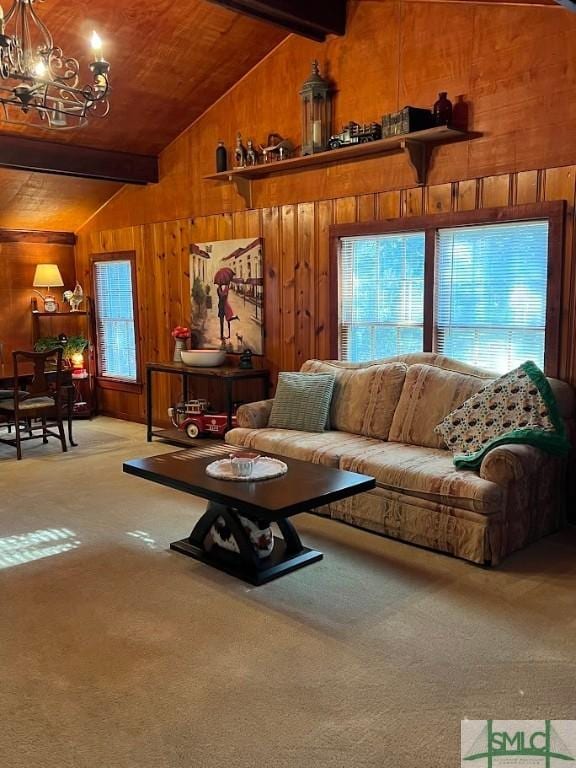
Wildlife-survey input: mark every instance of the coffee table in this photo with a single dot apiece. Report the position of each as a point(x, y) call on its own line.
point(304, 487)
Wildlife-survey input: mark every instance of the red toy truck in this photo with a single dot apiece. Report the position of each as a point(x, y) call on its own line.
point(193, 419)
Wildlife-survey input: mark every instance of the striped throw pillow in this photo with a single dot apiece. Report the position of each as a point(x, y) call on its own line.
point(302, 401)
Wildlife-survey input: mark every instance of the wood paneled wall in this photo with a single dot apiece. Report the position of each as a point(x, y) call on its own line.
point(297, 295)
point(17, 264)
point(513, 66)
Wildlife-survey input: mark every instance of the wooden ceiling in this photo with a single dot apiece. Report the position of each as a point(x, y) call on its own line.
point(169, 62)
point(42, 201)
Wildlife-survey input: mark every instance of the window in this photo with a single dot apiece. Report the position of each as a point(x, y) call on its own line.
point(381, 295)
point(482, 287)
point(115, 317)
point(491, 285)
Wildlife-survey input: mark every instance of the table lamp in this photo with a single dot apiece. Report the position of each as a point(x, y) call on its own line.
point(47, 276)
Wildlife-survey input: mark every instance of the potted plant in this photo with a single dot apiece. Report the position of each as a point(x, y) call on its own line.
point(71, 345)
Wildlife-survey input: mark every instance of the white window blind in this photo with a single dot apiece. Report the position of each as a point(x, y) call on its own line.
point(491, 284)
point(381, 286)
point(115, 320)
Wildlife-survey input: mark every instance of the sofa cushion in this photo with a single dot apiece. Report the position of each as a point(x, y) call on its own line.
point(364, 399)
point(320, 447)
point(302, 401)
point(426, 473)
point(429, 394)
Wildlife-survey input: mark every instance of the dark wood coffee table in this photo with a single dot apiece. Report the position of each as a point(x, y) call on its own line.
point(304, 487)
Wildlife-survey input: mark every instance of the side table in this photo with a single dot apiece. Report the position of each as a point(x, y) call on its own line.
point(227, 375)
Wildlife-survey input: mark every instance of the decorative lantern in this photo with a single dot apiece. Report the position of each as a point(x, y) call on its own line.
point(78, 370)
point(316, 112)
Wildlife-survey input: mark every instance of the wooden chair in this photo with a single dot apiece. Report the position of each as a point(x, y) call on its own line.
point(42, 401)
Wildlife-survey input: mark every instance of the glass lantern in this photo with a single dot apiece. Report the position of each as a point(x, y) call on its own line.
point(316, 97)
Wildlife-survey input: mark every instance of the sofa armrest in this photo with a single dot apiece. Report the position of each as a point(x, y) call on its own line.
point(254, 415)
point(507, 463)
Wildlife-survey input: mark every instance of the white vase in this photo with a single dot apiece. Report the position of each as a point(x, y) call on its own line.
point(179, 346)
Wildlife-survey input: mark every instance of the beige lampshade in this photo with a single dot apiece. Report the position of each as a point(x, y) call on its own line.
point(47, 276)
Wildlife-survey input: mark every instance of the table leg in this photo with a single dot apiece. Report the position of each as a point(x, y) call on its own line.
point(70, 407)
point(149, 405)
point(229, 401)
point(288, 554)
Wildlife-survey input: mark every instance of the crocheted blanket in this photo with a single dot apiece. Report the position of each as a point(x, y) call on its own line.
point(519, 407)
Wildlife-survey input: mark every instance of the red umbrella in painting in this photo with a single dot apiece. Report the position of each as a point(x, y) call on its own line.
point(223, 276)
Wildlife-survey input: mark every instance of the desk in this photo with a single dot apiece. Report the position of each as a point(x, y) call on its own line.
point(226, 374)
point(25, 375)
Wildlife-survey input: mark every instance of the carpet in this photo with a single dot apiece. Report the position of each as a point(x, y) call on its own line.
point(117, 653)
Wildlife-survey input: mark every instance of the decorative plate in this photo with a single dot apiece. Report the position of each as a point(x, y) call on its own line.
point(265, 468)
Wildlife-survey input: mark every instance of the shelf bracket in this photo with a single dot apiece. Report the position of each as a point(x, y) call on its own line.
point(244, 188)
point(420, 154)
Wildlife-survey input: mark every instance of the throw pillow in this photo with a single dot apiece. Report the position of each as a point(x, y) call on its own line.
point(302, 401)
point(519, 407)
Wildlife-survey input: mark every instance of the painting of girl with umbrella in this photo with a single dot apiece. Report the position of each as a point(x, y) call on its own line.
point(232, 269)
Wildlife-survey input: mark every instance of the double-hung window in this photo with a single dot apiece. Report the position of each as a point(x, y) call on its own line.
point(381, 282)
point(482, 287)
point(114, 288)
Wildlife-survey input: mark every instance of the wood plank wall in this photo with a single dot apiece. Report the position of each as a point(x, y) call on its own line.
point(17, 264)
point(297, 296)
point(513, 67)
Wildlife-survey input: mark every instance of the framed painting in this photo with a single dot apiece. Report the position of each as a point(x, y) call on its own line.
point(227, 295)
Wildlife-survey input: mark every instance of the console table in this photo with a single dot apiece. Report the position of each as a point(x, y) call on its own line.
point(226, 375)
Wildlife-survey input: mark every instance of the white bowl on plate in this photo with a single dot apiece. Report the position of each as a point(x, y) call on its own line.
point(203, 358)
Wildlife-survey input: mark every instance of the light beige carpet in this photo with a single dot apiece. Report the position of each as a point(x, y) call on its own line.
point(117, 653)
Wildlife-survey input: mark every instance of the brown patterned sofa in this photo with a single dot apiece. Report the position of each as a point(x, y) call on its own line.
point(382, 422)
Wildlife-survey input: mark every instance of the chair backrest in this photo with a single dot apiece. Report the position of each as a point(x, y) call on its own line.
point(46, 372)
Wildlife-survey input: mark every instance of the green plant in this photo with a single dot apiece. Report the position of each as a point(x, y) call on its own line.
point(71, 346)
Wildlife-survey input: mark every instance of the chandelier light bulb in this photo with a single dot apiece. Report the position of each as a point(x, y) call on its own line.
point(96, 43)
point(40, 69)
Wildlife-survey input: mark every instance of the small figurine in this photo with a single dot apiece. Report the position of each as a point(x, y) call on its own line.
point(279, 149)
point(246, 359)
point(75, 297)
point(239, 152)
point(252, 155)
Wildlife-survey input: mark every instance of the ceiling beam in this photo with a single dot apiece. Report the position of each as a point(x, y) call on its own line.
point(310, 18)
point(36, 236)
point(83, 162)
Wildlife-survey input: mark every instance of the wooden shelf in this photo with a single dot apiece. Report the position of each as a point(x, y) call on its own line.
point(418, 145)
point(80, 313)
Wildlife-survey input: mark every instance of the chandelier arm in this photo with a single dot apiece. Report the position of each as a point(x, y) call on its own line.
point(13, 9)
point(42, 27)
point(45, 82)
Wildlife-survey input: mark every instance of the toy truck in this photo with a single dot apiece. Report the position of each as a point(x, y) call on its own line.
point(354, 133)
point(194, 419)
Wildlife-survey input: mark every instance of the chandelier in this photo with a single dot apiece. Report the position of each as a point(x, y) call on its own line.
point(38, 83)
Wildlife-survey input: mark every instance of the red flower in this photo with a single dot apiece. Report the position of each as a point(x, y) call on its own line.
point(180, 332)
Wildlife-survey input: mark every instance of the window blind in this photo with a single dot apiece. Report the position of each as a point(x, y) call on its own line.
point(491, 284)
point(115, 334)
point(381, 287)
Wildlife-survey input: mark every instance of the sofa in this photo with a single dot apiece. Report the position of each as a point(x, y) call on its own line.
point(382, 420)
